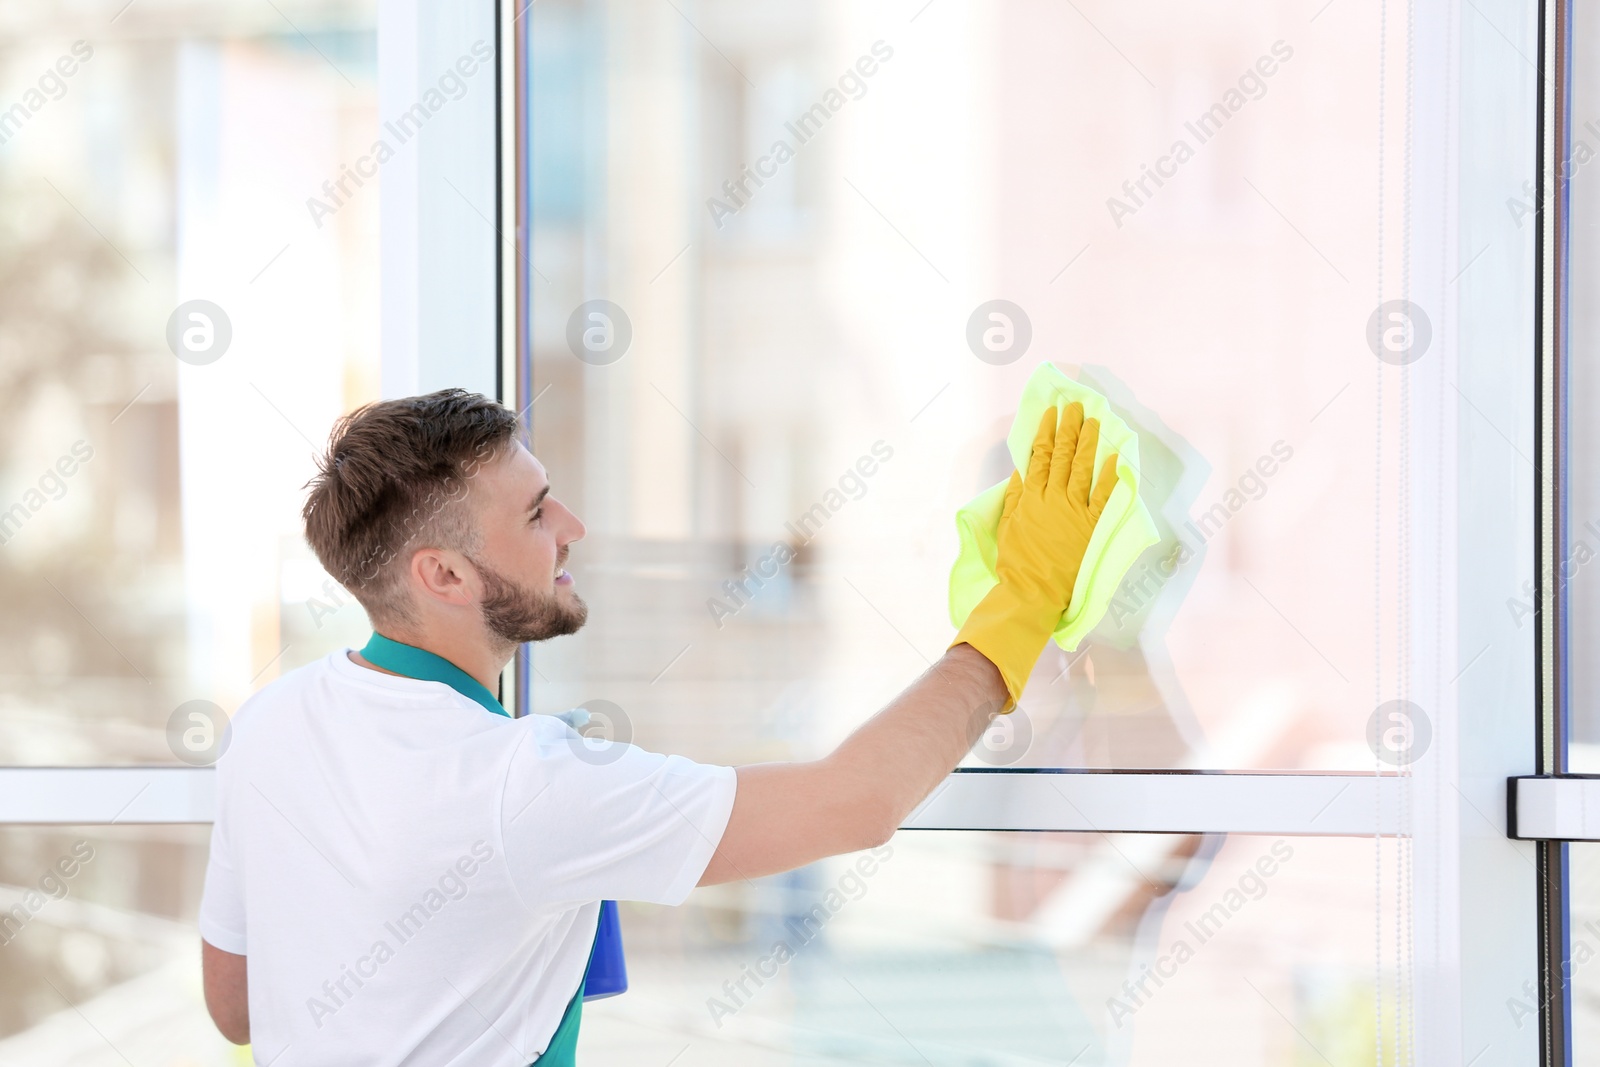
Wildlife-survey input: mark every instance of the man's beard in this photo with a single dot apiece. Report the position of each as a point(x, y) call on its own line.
point(516, 615)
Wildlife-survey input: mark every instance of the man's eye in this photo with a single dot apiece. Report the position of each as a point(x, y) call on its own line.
point(538, 513)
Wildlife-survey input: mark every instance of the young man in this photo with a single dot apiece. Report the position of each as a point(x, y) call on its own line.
point(402, 874)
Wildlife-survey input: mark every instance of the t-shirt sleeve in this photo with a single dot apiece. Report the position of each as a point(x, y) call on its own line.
point(584, 819)
point(222, 900)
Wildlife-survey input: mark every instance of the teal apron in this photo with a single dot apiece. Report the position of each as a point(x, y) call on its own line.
point(414, 662)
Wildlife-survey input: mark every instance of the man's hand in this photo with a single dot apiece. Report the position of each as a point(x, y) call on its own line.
point(1045, 526)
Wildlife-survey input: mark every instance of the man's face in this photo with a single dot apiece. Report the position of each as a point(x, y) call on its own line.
point(528, 595)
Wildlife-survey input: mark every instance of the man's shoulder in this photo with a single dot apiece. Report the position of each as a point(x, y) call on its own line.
point(289, 687)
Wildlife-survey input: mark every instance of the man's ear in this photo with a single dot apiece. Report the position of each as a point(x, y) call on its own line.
point(443, 575)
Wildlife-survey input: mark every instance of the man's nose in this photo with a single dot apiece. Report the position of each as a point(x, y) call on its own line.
point(573, 528)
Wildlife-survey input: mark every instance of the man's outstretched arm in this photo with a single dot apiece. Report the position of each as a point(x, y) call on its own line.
point(786, 815)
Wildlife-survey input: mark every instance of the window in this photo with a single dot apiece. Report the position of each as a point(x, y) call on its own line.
point(192, 301)
point(1294, 276)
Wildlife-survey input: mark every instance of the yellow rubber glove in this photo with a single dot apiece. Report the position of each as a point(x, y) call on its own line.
point(1045, 525)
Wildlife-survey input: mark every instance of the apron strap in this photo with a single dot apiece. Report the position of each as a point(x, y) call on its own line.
point(562, 1051)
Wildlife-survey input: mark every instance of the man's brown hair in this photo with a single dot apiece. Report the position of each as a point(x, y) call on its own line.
point(395, 477)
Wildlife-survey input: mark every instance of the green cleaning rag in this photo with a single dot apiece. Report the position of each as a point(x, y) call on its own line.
point(1124, 531)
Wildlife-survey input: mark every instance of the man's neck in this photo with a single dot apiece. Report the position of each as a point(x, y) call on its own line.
point(483, 664)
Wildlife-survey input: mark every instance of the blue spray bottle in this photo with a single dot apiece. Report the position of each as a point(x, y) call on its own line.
point(608, 971)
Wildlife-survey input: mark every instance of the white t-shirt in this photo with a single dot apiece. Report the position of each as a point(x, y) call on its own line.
point(416, 880)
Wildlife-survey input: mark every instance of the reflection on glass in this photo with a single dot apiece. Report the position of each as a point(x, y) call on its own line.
point(951, 948)
point(1014, 948)
point(792, 269)
point(178, 329)
point(99, 954)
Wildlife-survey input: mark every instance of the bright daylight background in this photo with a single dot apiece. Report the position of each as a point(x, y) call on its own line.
point(1225, 316)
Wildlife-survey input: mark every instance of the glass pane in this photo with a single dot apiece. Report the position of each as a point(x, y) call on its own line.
point(1007, 948)
point(959, 948)
point(155, 447)
point(101, 960)
point(767, 245)
point(801, 218)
